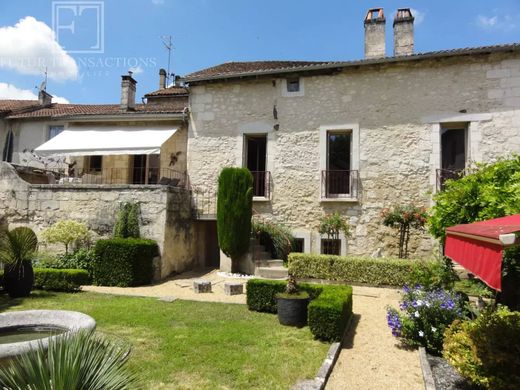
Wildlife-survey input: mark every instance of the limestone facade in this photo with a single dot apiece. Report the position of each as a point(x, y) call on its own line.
point(395, 113)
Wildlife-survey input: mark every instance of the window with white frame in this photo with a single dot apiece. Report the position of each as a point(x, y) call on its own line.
point(54, 131)
point(339, 162)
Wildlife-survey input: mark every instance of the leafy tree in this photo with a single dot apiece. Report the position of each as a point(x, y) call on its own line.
point(332, 225)
point(66, 232)
point(404, 218)
point(234, 210)
point(491, 191)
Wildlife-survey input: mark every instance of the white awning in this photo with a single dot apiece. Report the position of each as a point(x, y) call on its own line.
point(109, 140)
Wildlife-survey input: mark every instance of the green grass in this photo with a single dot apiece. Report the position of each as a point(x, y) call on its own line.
point(186, 344)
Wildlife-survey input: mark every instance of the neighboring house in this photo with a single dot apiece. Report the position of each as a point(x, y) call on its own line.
point(81, 161)
point(354, 137)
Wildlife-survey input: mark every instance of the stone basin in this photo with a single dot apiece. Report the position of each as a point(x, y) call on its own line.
point(37, 327)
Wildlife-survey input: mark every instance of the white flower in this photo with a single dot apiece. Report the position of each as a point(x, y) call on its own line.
point(421, 333)
point(416, 314)
point(419, 302)
point(427, 304)
point(434, 329)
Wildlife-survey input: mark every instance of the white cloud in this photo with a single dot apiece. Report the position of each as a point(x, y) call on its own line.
point(485, 21)
point(136, 69)
point(9, 91)
point(30, 45)
point(418, 16)
point(506, 22)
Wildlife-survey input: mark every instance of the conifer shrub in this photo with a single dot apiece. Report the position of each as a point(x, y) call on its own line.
point(127, 221)
point(234, 210)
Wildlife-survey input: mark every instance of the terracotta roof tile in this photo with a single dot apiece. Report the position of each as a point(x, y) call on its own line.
point(170, 91)
point(256, 68)
point(58, 110)
point(236, 68)
point(8, 105)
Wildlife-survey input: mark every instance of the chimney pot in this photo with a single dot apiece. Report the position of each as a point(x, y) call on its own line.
point(162, 79)
point(128, 92)
point(375, 22)
point(403, 32)
point(44, 99)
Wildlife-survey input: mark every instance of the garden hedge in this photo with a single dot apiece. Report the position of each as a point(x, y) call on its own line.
point(328, 312)
point(124, 262)
point(390, 272)
point(60, 279)
point(67, 280)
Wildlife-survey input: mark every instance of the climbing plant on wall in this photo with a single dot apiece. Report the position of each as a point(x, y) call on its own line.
point(127, 221)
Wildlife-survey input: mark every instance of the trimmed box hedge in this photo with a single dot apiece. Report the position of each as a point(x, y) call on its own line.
point(390, 272)
point(124, 262)
point(328, 312)
point(67, 280)
point(60, 279)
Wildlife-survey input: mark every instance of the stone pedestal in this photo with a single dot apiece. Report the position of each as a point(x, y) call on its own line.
point(232, 288)
point(202, 286)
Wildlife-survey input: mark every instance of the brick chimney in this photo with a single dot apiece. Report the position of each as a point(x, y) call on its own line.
point(44, 99)
point(162, 79)
point(403, 32)
point(375, 33)
point(128, 92)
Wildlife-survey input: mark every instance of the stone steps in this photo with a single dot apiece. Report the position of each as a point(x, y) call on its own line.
point(275, 272)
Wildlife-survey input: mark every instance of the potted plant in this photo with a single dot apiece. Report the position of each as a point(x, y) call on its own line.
point(292, 305)
point(17, 248)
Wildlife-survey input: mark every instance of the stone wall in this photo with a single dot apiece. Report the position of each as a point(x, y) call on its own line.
point(399, 109)
point(165, 212)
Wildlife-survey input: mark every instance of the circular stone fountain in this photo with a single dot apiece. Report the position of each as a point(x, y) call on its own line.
point(23, 331)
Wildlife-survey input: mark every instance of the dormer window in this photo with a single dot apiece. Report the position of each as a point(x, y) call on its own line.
point(293, 85)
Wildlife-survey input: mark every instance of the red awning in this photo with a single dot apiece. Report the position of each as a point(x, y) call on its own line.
point(478, 246)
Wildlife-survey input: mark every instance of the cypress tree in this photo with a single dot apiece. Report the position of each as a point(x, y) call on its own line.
point(234, 210)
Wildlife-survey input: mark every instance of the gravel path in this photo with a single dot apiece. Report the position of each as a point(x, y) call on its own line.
point(371, 357)
point(180, 287)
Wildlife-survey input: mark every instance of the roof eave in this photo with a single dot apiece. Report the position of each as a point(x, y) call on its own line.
point(365, 62)
point(111, 117)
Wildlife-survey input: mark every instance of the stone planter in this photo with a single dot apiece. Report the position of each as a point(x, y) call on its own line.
point(292, 310)
point(18, 279)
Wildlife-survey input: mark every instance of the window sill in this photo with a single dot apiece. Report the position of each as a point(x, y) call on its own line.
point(261, 199)
point(339, 200)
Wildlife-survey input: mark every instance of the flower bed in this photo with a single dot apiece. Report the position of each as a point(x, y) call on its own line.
point(424, 317)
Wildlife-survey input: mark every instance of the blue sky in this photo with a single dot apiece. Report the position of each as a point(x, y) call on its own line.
point(209, 32)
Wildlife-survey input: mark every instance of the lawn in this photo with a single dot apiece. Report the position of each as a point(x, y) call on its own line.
point(185, 344)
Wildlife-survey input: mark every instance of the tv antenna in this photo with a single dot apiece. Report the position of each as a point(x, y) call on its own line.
point(43, 85)
point(167, 42)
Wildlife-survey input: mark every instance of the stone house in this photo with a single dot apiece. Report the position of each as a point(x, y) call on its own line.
point(81, 161)
point(354, 137)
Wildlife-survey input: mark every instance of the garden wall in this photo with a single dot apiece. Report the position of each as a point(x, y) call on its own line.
point(165, 212)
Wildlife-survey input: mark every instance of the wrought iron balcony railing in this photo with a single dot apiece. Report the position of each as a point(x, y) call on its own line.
point(447, 174)
point(339, 184)
point(262, 184)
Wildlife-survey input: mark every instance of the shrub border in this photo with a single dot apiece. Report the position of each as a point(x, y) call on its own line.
point(325, 299)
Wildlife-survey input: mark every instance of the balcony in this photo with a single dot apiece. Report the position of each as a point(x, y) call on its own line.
point(339, 185)
point(261, 184)
point(447, 174)
point(106, 176)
